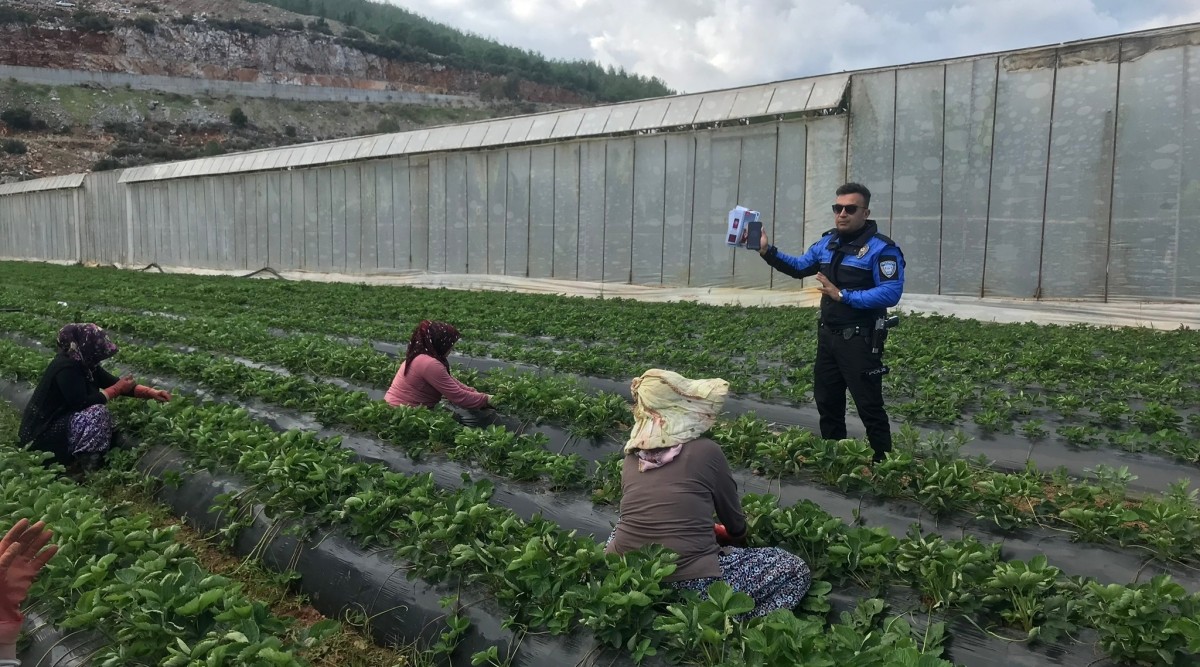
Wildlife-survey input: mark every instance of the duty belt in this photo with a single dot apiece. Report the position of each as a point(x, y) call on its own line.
point(848, 332)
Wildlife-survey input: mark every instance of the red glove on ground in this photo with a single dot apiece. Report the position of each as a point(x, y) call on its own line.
point(150, 393)
point(123, 387)
point(22, 556)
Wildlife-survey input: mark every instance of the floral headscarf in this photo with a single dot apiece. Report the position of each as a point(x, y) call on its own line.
point(86, 343)
point(671, 410)
point(432, 338)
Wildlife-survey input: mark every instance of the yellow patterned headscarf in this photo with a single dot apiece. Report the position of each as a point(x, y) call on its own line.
point(670, 409)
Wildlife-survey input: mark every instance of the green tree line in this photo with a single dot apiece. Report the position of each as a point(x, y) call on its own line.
point(407, 36)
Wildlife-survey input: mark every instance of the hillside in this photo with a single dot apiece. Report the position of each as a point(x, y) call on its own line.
point(48, 130)
point(73, 129)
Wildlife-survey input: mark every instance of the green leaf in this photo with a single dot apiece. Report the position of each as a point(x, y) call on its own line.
point(201, 602)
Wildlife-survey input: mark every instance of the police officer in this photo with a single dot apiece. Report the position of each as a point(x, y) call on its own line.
point(861, 275)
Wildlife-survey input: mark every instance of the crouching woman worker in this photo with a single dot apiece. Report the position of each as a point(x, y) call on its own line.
point(424, 377)
point(68, 414)
point(673, 481)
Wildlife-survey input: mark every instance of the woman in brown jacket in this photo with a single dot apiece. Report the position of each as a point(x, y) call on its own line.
point(673, 481)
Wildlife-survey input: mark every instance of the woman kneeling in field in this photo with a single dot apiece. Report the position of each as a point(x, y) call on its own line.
point(68, 414)
point(424, 377)
point(673, 481)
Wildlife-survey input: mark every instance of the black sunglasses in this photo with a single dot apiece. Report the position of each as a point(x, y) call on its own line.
point(850, 209)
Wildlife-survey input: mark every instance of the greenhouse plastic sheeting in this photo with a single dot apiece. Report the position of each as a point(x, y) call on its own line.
point(785, 228)
point(873, 140)
point(437, 213)
point(541, 212)
point(591, 211)
point(457, 243)
point(402, 214)
point(618, 210)
point(1014, 234)
point(678, 198)
point(826, 170)
point(1156, 199)
point(68, 182)
point(966, 174)
point(917, 176)
point(1080, 177)
point(756, 190)
point(477, 213)
point(649, 185)
point(516, 221)
point(497, 195)
point(385, 213)
point(566, 211)
point(418, 201)
point(717, 182)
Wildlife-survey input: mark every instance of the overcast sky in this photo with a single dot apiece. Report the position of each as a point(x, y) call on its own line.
point(697, 45)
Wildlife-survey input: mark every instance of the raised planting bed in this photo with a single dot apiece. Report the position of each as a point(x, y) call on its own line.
point(535, 396)
point(122, 592)
point(776, 523)
point(1009, 507)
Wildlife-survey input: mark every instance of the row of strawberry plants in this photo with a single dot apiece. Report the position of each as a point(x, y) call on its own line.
point(1097, 365)
point(1084, 360)
point(315, 482)
point(867, 556)
point(1100, 512)
point(117, 574)
point(550, 580)
point(1111, 418)
point(415, 430)
point(538, 398)
point(1168, 525)
point(452, 541)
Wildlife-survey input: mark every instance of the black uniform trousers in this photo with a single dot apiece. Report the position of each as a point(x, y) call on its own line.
point(840, 365)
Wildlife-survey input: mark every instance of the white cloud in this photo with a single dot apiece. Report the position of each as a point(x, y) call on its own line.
point(698, 45)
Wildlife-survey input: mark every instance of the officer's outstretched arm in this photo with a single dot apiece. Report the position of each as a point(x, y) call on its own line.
point(797, 267)
point(889, 282)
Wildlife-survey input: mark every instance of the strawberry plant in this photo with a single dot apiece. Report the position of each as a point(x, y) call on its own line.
point(1157, 417)
point(946, 573)
point(1025, 596)
point(1131, 620)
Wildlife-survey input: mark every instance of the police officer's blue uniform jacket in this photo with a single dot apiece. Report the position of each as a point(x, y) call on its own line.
point(868, 268)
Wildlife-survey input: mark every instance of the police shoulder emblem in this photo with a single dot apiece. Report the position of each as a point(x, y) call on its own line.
point(862, 252)
point(888, 268)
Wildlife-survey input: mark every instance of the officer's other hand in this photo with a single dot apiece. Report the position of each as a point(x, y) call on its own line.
point(828, 288)
point(763, 243)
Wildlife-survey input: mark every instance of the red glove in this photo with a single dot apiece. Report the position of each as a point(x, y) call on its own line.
point(150, 393)
point(123, 387)
point(723, 537)
point(22, 556)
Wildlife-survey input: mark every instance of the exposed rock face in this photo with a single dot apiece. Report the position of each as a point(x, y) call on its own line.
point(201, 51)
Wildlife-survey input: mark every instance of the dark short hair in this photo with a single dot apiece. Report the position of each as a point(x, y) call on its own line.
point(856, 189)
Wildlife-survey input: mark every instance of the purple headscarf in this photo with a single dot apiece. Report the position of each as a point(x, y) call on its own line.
point(86, 343)
point(432, 338)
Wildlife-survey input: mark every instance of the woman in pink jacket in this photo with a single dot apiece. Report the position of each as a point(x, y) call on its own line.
point(424, 377)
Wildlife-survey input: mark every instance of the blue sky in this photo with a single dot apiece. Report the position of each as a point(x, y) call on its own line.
point(697, 45)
